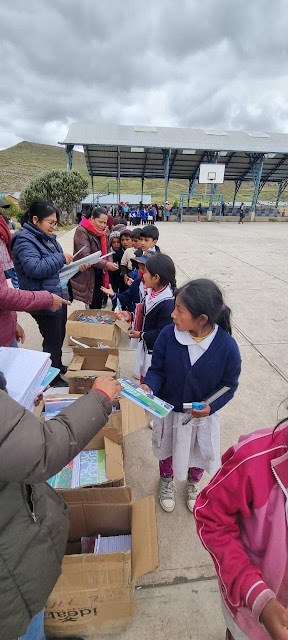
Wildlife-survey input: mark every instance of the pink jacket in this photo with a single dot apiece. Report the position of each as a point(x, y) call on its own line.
point(12, 300)
point(241, 520)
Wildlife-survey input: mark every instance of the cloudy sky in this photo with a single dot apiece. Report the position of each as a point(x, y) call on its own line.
point(199, 63)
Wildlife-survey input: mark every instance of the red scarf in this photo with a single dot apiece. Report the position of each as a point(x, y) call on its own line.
point(103, 239)
point(5, 235)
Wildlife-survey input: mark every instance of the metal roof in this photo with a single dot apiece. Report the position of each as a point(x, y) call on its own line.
point(140, 150)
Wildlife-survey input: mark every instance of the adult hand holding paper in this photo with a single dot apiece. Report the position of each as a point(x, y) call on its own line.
point(70, 270)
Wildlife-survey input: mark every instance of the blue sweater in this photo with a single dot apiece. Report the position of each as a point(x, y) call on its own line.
point(172, 378)
point(155, 320)
point(131, 296)
point(38, 259)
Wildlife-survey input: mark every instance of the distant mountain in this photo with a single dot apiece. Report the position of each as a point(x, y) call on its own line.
point(24, 161)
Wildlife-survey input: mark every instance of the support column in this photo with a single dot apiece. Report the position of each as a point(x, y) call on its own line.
point(279, 191)
point(237, 187)
point(92, 183)
point(142, 188)
point(69, 152)
point(118, 176)
point(281, 187)
point(213, 190)
point(256, 166)
point(212, 157)
point(181, 203)
point(166, 163)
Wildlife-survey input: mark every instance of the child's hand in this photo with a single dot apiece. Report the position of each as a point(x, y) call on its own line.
point(275, 619)
point(145, 388)
point(203, 413)
point(134, 334)
point(126, 315)
point(20, 333)
point(109, 291)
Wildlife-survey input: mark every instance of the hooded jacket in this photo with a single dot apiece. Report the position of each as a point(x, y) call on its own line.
point(241, 520)
point(33, 518)
point(38, 258)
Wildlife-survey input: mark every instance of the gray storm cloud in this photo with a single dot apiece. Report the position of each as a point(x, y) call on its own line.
point(197, 63)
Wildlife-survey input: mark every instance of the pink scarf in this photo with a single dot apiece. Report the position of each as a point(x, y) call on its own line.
point(103, 239)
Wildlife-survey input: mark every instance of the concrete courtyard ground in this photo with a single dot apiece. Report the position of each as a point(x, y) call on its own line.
point(250, 264)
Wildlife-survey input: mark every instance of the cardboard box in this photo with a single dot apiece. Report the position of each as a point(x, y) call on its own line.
point(88, 364)
point(93, 334)
point(95, 593)
point(127, 418)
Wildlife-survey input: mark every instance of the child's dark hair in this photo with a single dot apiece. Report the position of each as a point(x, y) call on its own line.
point(41, 209)
point(136, 233)
point(202, 296)
point(163, 266)
point(150, 231)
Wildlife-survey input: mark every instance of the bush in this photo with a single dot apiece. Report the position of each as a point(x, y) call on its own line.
point(63, 188)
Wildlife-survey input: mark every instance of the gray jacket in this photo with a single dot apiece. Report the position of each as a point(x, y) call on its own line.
point(33, 518)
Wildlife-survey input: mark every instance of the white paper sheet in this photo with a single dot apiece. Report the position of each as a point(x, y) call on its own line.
point(24, 371)
point(70, 270)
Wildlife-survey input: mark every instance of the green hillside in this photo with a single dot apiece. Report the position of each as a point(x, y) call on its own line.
point(24, 161)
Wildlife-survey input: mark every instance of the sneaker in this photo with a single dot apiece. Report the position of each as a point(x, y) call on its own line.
point(167, 494)
point(151, 424)
point(192, 489)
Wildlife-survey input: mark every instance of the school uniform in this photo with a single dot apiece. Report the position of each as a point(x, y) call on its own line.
point(131, 296)
point(183, 370)
point(158, 306)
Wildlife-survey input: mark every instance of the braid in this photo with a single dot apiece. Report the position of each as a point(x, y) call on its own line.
point(173, 284)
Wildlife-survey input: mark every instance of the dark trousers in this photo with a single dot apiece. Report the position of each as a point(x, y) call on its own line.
point(52, 329)
point(97, 293)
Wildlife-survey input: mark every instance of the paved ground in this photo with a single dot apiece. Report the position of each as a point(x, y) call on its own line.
point(250, 263)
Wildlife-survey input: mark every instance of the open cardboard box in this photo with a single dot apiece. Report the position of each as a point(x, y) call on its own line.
point(88, 364)
point(126, 418)
point(96, 593)
point(108, 334)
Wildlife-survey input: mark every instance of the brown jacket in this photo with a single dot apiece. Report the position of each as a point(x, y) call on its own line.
point(83, 284)
point(33, 519)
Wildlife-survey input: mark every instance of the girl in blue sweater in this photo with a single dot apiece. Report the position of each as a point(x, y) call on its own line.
point(191, 361)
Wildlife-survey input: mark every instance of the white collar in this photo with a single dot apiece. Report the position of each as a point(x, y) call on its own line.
point(185, 338)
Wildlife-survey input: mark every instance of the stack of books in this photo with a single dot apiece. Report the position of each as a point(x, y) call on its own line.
point(27, 373)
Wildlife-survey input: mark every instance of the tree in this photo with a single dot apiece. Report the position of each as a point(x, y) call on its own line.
point(63, 188)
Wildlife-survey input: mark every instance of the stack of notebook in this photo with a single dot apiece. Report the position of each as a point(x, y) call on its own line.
point(27, 373)
point(86, 470)
point(111, 544)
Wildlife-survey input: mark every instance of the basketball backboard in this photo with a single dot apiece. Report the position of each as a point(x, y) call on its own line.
point(211, 173)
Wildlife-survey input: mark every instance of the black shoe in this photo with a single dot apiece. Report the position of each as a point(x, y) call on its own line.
point(63, 369)
point(59, 382)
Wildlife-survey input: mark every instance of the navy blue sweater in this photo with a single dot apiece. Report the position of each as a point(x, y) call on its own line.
point(155, 320)
point(172, 378)
point(131, 296)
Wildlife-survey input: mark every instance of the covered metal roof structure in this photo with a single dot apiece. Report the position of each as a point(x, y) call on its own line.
point(176, 153)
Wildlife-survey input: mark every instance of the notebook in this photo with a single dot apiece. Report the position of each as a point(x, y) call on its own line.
point(87, 469)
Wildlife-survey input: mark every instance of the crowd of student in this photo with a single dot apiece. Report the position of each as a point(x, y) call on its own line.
point(144, 214)
point(184, 352)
